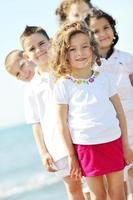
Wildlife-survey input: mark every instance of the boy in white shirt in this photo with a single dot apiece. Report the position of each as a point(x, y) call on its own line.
point(39, 109)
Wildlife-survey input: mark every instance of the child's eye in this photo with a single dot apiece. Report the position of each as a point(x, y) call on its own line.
point(17, 75)
point(76, 15)
point(96, 31)
point(42, 43)
point(22, 65)
point(106, 27)
point(72, 49)
point(86, 46)
point(32, 49)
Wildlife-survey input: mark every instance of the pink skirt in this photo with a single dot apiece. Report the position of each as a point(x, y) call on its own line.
point(100, 159)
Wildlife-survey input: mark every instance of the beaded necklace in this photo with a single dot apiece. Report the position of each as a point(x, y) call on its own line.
point(83, 81)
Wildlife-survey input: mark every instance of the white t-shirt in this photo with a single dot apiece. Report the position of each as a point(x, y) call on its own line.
point(120, 65)
point(91, 115)
point(39, 107)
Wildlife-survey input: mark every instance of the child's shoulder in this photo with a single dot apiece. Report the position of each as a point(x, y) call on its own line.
point(123, 54)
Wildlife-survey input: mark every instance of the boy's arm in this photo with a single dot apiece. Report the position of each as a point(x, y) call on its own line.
point(32, 117)
point(45, 156)
point(62, 112)
point(128, 153)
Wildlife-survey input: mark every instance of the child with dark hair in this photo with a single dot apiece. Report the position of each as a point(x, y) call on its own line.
point(120, 65)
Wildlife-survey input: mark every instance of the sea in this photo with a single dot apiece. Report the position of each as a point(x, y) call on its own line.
point(22, 175)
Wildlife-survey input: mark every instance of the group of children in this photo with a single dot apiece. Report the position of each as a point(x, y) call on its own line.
point(79, 100)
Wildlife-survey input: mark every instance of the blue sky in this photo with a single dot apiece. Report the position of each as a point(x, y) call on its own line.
point(16, 14)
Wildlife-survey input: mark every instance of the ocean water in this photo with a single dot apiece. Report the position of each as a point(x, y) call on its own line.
point(22, 176)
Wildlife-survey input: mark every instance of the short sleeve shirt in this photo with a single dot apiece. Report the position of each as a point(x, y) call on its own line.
point(91, 115)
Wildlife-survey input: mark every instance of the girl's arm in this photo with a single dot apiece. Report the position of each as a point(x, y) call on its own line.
point(62, 120)
point(128, 153)
point(46, 158)
point(131, 78)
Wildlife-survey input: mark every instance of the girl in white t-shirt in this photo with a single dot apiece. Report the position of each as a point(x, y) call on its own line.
point(119, 64)
point(89, 112)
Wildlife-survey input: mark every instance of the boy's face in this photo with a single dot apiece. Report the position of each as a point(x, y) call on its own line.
point(36, 48)
point(22, 69)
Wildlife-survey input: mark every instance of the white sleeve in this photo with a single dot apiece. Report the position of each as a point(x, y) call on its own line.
point(129, 64)
point(60, 92)
point(30, 106)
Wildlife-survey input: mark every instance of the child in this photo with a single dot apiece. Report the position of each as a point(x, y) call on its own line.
point(40, 113)
point(73, 10)
point(18, 66)
point(89, 112)
point(117, 62)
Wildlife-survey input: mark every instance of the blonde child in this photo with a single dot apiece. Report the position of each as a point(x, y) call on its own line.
point(40, 113)
point(18, 66)
point(120, 65)
point(71, 10)
point(90, 116)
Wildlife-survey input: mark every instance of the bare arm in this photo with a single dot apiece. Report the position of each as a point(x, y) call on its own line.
point(128, 153)
point(45, 156)
point(62, 112)
point(131, 78)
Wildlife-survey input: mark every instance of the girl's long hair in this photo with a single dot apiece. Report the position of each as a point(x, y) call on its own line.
point(61, 43)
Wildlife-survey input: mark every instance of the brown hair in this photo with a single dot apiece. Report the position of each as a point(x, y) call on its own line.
point(63, 9)
point(29, 30)
point(61, 43)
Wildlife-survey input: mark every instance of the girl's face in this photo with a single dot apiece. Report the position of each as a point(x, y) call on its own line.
point(79, 53)
point(103, 32)
point(78, 11)
point(36, 47)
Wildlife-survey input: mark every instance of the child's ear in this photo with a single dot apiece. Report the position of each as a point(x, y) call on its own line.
point(25, 55)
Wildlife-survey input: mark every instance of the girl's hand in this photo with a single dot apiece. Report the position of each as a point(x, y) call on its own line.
point(74, 167)
point(128, 154)
point(48, 162)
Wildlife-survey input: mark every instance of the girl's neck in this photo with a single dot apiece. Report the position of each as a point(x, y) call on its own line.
point(82, 74)
point(103, 52)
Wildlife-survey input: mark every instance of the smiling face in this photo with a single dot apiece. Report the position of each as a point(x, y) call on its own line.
point(103, 33)
point(78, 11)
point(36, 48)
point(21, 68)
point(80, 53)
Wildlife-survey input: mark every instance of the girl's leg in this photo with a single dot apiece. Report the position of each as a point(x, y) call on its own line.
point(87, 196)
point(97, 188)
point(73, 188)
point(130, 184)
point(85, 188)
point(130, 172)
point(116, 185)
